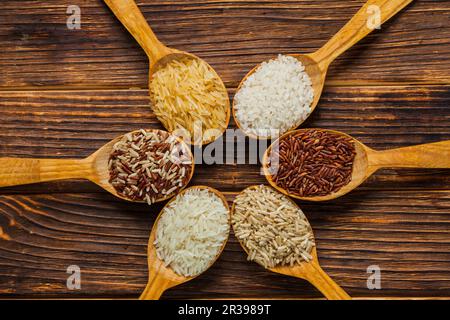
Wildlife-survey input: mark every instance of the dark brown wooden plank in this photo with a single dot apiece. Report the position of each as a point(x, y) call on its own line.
point(406, 234)
point(39, 50)
point(76, 123)
point(46, 227)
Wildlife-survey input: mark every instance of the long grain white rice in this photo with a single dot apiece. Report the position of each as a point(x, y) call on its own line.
point(276, 97)
point(192, 231)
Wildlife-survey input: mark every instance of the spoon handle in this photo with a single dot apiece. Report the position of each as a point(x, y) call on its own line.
point(369, 17)
point(432, 155)
point(19, 171)
point(131, 17)
point(154, 289)
point(320, 279)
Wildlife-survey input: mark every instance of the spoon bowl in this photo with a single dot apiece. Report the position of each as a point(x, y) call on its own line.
point(367, 161)
point(177, 55)
point(310, 271)
point(316, 75)
point(159, 55)
point(19, 171)
point(161, 277)
point(316, 64)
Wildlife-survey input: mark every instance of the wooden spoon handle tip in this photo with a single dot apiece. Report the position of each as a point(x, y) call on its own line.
point(154, 289)
point(368, 18)
point(18, 171)
point(432, 155)
point(131, 17)
point(330, 289)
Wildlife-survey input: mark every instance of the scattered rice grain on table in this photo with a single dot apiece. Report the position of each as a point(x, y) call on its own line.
point(272, 228)
point(192, 231)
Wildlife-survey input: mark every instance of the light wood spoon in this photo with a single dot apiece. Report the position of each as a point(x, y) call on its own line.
point(159, 55)
point(367, 161)
point(317, 63)
point(161, 277)
point(19, 171)
point(309, 271)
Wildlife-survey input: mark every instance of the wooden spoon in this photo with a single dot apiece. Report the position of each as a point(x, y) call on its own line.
point(19, 171)
point(317, 63)
point(309, 271)
point(161, 277)
point(159, 55)
point(367, 161)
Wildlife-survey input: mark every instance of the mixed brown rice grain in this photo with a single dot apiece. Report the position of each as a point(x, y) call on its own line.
point(312, 162)
point(274, 230)
point(149, 165)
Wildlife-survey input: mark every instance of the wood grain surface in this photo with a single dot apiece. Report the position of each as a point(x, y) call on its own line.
point(233, 36)
point(64, 93)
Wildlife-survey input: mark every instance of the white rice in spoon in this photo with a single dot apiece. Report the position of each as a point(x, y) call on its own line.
point(277, 96)
point(192, 231)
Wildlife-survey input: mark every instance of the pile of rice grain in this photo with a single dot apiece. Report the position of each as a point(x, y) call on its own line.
point(149, 165)
point(312, 162)
point(275, 97)
point(272, 228)
point(190, 96)
point(192, 231)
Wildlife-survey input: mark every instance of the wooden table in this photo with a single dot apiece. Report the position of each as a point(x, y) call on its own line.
point(64, 93)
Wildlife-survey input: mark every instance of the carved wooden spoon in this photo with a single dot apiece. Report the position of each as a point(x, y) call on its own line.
point(309, 271)
point(367, 161)
point(19, 171)
point(161, 277)
point(159, 55)
point(317, 63)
